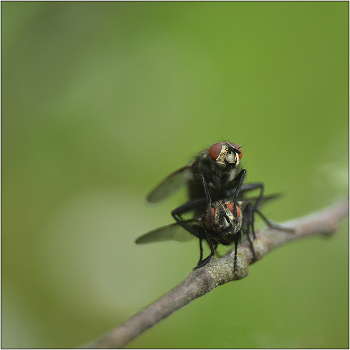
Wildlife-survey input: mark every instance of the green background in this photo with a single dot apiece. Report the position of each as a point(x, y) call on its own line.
point(101, 101)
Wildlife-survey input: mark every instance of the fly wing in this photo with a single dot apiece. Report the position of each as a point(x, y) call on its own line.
point(173, 232)
point(264, 199)
point(243, 195)
point(172, 183)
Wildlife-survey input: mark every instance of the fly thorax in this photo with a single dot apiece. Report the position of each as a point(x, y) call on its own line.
point(216, 182)
point(232, 174)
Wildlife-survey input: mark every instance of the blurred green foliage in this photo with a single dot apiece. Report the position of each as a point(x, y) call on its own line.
point(100, 101)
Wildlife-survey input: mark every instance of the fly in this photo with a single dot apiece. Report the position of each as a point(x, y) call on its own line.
point(216, 171)
point(220, 167)
point(213, 176)
point(225, 229)
point(223, 224)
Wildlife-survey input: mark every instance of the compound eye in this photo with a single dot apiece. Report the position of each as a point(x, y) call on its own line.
point(214, 150)
point(237, 148)
point(230, 208)
point(208, 217)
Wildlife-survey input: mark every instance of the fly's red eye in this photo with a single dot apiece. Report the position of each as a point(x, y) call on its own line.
point(230, 208)
point(238, 148)
point(214, 150)
point(208, 217)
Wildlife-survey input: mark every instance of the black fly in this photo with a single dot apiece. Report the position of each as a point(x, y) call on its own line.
point(218, 226)
point(212, 177)
point(222, 224)
point(220, 167)
point(215, 172)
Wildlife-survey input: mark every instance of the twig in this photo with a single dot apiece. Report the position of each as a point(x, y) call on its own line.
point(220, 271)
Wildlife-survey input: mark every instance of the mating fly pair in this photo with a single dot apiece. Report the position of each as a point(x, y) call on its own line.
point(216, 192)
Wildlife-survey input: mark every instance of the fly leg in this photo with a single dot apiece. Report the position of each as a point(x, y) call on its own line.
point(185, 208)
point(237, 240)
point(191, 205)
point(249, 224)
point(254, 186)
point(249, 217)
point(201, 251)
point(241, 177)
point(251, 247)
point(208, 198)
point(212, 247)
point(271, 225)
point(251, 209)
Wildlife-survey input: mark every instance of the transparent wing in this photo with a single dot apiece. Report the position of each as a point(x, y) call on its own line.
point(169, 185)
point(244, 189)
point(264, 199)
point(243, 195)
point(173, 232)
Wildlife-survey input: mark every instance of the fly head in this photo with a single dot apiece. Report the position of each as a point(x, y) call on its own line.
point(226, 155)
point(224, 221)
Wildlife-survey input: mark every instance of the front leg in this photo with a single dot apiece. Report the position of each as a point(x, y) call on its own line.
point(275, 226)
point(207, 196)
point(240, 177)
point(190, 205)
point(237, 241)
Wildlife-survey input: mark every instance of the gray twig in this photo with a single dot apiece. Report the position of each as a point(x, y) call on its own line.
point(220, 271)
